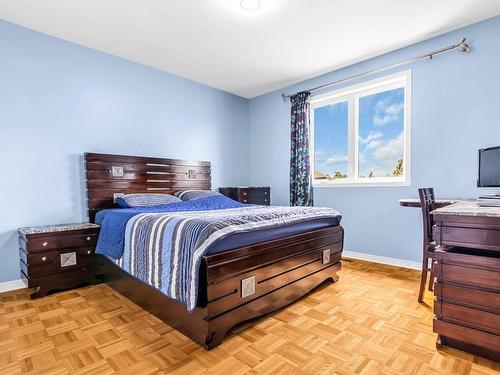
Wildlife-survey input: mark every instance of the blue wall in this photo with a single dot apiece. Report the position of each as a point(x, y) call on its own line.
point(455, 111)
point(58, 100)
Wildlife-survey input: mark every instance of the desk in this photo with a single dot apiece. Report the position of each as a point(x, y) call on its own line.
point(415, 202)
point(467, 268)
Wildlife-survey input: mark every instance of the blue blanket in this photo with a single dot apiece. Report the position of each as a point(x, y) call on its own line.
point(114, 221)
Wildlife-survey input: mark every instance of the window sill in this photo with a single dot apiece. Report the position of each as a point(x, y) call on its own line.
point(339, 184)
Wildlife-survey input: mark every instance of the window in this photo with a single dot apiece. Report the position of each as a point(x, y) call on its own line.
point(361, 134)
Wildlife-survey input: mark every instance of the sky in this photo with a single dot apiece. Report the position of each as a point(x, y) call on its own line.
point(381, 126)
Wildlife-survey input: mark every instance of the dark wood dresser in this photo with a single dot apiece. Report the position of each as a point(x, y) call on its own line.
point(467, 268)
point(58, 257)
point(248, 194)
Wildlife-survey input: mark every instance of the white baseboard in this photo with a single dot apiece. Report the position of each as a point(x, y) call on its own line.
point(12, 285)
point(383, 260)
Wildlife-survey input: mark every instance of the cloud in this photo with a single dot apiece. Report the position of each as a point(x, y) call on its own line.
point(335, 159)
point(372, 136)
point(392, 150)
point(374, 144)
point(385, 112)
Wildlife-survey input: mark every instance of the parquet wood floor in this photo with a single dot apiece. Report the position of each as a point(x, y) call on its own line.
point(367, 323)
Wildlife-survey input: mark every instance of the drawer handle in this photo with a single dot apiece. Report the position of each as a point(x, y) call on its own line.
point(44, 244)
point(265, 193)
point(244, 193)
point(89, 252)
point(89, 238)
point(244, 201)
point(44, 259)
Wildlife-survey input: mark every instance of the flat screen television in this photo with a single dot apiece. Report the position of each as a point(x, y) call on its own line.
point(489, 167)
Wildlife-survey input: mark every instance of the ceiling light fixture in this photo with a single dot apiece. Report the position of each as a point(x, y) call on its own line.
point(250, 4)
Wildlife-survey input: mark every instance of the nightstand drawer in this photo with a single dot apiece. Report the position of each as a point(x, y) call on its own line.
point(38, 259)
point(47, 263)
point(50, 242)
point(250, 195)
point(253, 194)
point(58, 281)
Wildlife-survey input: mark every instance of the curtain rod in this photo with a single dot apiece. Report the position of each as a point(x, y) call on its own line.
point(462, 46)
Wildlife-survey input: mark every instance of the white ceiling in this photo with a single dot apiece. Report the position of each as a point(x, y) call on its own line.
point(217, 43)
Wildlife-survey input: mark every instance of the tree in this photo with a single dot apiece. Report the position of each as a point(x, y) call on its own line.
point(339, 174)
point(398, 169)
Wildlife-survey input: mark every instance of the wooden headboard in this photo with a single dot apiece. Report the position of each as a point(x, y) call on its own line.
point(109, 176)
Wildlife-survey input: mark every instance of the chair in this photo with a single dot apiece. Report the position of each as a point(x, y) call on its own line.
point(428, 204)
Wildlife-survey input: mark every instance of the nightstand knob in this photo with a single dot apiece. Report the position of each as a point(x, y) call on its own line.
point(44, 259)
point(45, 244)
point(89, 238)
point(265, 193)
point(89, 252)
point(244, 193)
point(244, 201)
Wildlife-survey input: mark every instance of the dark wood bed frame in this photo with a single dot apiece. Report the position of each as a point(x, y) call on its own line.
point(235, 285)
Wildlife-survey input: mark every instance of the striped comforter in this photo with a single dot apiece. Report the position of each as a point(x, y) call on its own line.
point(165, 249)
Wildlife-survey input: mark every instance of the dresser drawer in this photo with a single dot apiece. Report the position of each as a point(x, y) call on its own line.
point(474, 298)
point(50, 242)
point(479, 272)
point(39, 264)
point(469, 335)
point(469, 258)
point(473, 277)
point(473, 318)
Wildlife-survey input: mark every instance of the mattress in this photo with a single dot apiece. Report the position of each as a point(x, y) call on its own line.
point(236, 240)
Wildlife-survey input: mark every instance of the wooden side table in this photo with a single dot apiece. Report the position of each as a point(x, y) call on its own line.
point(57, 257)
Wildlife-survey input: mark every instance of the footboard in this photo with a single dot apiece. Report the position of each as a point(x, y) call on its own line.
point(251, 281)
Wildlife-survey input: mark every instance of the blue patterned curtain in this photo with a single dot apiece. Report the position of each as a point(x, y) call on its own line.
point(301, 193)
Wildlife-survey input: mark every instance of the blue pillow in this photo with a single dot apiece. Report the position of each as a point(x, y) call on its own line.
point(191, 195)
point(146, 200)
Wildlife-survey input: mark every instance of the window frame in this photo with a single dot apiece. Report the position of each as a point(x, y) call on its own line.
point(351, 95)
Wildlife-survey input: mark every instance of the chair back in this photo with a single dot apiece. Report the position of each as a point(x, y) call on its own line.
point(428, 204)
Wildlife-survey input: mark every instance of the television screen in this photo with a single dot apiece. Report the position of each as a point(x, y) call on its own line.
point(489, 167)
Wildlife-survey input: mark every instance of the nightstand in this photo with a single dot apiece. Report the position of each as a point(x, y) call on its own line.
point(248, 194)
point(57, 257)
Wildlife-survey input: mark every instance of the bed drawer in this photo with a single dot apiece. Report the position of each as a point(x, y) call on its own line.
point(473, 318)
point(474, 298)
point(50, 242)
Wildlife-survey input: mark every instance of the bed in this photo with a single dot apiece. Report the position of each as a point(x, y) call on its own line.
point(241, 275)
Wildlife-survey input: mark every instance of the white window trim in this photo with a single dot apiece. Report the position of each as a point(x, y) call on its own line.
point(352, 94)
